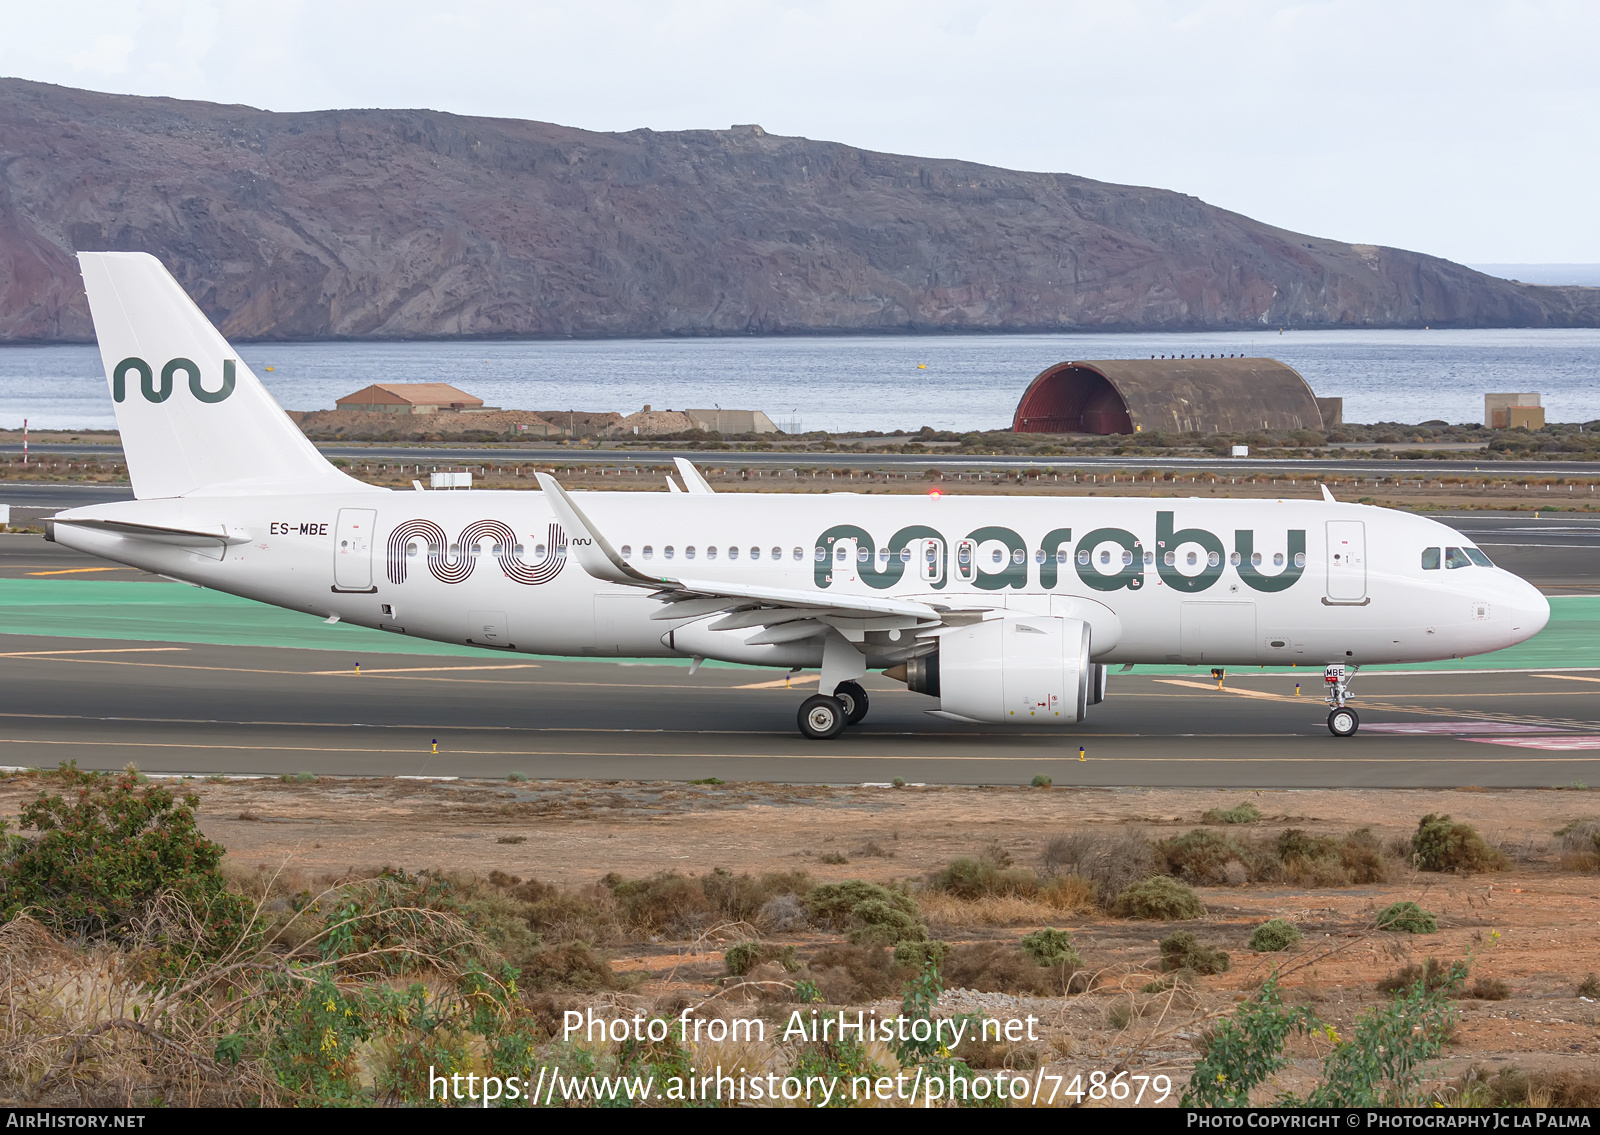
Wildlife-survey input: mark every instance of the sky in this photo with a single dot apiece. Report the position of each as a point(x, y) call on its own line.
point(1465, 129)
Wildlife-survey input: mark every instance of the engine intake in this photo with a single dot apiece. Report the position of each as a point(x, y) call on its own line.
point(1022, 670)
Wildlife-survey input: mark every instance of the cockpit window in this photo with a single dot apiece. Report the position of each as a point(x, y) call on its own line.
point(1430, 559)
point(1456, 558)
point(1478, 557)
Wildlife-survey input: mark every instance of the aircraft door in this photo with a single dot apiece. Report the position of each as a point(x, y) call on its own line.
point(352, 549)
point(1347, 561)
point(929, 556)
point(966, 561)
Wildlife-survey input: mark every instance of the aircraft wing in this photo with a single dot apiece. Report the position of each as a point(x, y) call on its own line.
point(750, 606)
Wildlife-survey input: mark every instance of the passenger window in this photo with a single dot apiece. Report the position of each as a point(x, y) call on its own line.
point(840, 553)
point(1018, 556)
point(965, 554)
point(1127, 557)
point(1038, 556)
point(711, 552)
point(1255, 559)
point(647, 553)
point(1083, 555)
point(627, 551)
point(1105, 557)
point(1234, 558)
point(1193, 559)
point(1149, 557)
point(688, 553)
point(820, 554)
point(755, 553)
point(1456, 558)
point(1277, 559)
point(905, 555)
point(1478, 557)
point(862, 555)
point(997, 556)
point(411, 551)
point(1213, 559)
point(1299, 559)
point(1430, 559)
point(538, 551)
point(519, 550)
point(667, 551)
point(1061, 556)
point(1171, 559)
point(883, 555)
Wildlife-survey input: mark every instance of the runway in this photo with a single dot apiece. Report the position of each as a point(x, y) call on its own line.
point(118, 666)
point(202, 709)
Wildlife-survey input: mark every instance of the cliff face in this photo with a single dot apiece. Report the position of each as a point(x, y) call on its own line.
point(383, 224)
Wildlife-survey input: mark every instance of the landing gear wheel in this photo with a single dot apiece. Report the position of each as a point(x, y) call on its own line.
point(821, 717)
point(854, 699)
point(1343, 722)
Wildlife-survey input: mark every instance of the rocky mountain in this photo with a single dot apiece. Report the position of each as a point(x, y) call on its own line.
point(405, 223)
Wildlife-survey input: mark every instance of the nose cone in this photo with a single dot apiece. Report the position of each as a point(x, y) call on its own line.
point(1529, 609)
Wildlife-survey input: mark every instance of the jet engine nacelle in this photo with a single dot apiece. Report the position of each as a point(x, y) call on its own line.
point(1021, 670)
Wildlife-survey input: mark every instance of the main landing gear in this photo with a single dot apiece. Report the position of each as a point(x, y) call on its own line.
point(823, 717)
point(1342, 720)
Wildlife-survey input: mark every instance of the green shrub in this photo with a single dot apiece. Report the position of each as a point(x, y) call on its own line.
point(1051, 947)
point(107, 847)
point(1441, 844)
point(920, 955)
point(1407, 916)
point(1183, 951)
point(1159, 899)
point(1274, 935)
point(1241, 813)
point(870, 914)
point(976, 878)
point(742, 957)
point(1041, 781)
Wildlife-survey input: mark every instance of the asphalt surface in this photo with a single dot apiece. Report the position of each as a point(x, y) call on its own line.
point(177, 708)
point(458, 454)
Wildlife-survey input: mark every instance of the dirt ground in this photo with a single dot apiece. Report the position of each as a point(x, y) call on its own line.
point(1535, 927)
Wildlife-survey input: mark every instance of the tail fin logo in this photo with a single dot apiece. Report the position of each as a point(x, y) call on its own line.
point(159, 392)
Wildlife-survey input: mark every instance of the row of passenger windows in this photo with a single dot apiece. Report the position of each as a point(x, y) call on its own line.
point(841, 554)
point(1454, 558)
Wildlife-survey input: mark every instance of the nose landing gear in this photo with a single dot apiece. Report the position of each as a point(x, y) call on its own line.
point(1342, 720)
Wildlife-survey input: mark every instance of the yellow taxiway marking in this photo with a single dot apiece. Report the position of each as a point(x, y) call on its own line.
point(781, 683)
point(811, 756)
point(1228, 690)
point(76, 571)
point(107, 650)
point(426, 669)
point(1567, 677)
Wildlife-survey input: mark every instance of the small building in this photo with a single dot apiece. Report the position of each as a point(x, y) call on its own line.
point(409, 398)
point(1508, 411)
point(1182, 395)
point(732, 421)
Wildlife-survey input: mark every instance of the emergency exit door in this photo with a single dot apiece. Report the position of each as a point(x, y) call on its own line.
point(352, 549)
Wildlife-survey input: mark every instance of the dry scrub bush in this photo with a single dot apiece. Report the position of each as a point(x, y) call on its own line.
point(1001, 967)
point(1442, 844)
point(683, 906)
point(1183, 951)
point(1513, 1087)
point(1579, 842)
point(1110, 862)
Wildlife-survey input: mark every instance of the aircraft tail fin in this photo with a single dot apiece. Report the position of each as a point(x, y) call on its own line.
point(193, 418)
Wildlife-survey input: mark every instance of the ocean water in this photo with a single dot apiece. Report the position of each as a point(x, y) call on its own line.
point(859, 382)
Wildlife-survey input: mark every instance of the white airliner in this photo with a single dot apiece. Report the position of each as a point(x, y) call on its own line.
point(1006, 610)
